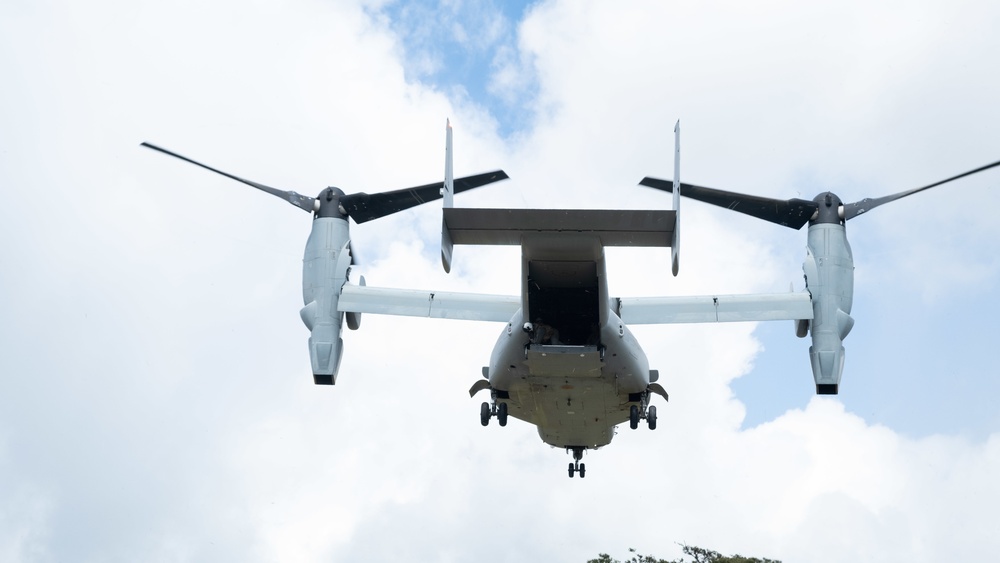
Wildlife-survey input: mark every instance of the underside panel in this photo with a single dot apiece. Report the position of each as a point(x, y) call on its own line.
point(573, 361)
point(570, 411)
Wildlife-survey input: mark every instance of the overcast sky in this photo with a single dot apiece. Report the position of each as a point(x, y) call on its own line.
point(156, 402)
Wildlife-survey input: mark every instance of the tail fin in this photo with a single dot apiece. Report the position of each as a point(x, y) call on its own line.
point(676, 245)
point(448, 193)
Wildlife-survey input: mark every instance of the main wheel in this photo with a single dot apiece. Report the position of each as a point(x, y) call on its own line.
point(484, 414)
point(502, 414)
point(572, 470)
point(633, 417)
point(583, 470)
point(651, 417)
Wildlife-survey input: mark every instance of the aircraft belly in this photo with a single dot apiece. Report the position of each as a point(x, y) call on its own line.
point(575, 395)
point(570, 411)
point(574, 400)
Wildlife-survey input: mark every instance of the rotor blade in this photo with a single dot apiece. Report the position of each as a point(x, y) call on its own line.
point(792, 213)
point(301, 201)
point(852, 210)
point(364, 207)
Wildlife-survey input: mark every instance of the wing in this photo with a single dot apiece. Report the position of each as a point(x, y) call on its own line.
point(430, 304)
point(632, 310)
point(716, 308)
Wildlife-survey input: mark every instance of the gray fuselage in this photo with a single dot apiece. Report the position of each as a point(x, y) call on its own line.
point(577, 372)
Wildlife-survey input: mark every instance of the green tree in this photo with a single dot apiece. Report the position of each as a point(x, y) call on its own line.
point(698, 555)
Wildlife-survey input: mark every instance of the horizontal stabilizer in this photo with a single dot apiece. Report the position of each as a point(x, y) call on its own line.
point(508, 226)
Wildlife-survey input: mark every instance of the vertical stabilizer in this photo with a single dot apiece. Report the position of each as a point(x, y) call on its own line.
point(449, 176)
point(675, 247)
point(448, 195)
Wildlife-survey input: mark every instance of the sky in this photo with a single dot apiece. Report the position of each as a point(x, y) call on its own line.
point(156, 402)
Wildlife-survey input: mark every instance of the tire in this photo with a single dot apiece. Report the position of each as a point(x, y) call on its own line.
point(572, 470)
point(633, 417)
point(583, 470)
point(651, 418)
point(502, 414)
point(484, 414)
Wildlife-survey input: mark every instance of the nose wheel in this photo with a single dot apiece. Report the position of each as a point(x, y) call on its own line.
point(577, 467)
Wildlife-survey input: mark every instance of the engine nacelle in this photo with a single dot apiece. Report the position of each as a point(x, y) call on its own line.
point(829, 273)
point(324, 272)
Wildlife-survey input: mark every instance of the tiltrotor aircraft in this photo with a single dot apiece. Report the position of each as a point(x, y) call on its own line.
point(566, 360)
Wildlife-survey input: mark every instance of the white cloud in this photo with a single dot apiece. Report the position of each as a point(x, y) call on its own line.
point(156, 402)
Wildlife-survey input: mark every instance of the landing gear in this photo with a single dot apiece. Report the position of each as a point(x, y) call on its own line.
point(641, 411)
point(486, 412)
point(576, 466)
